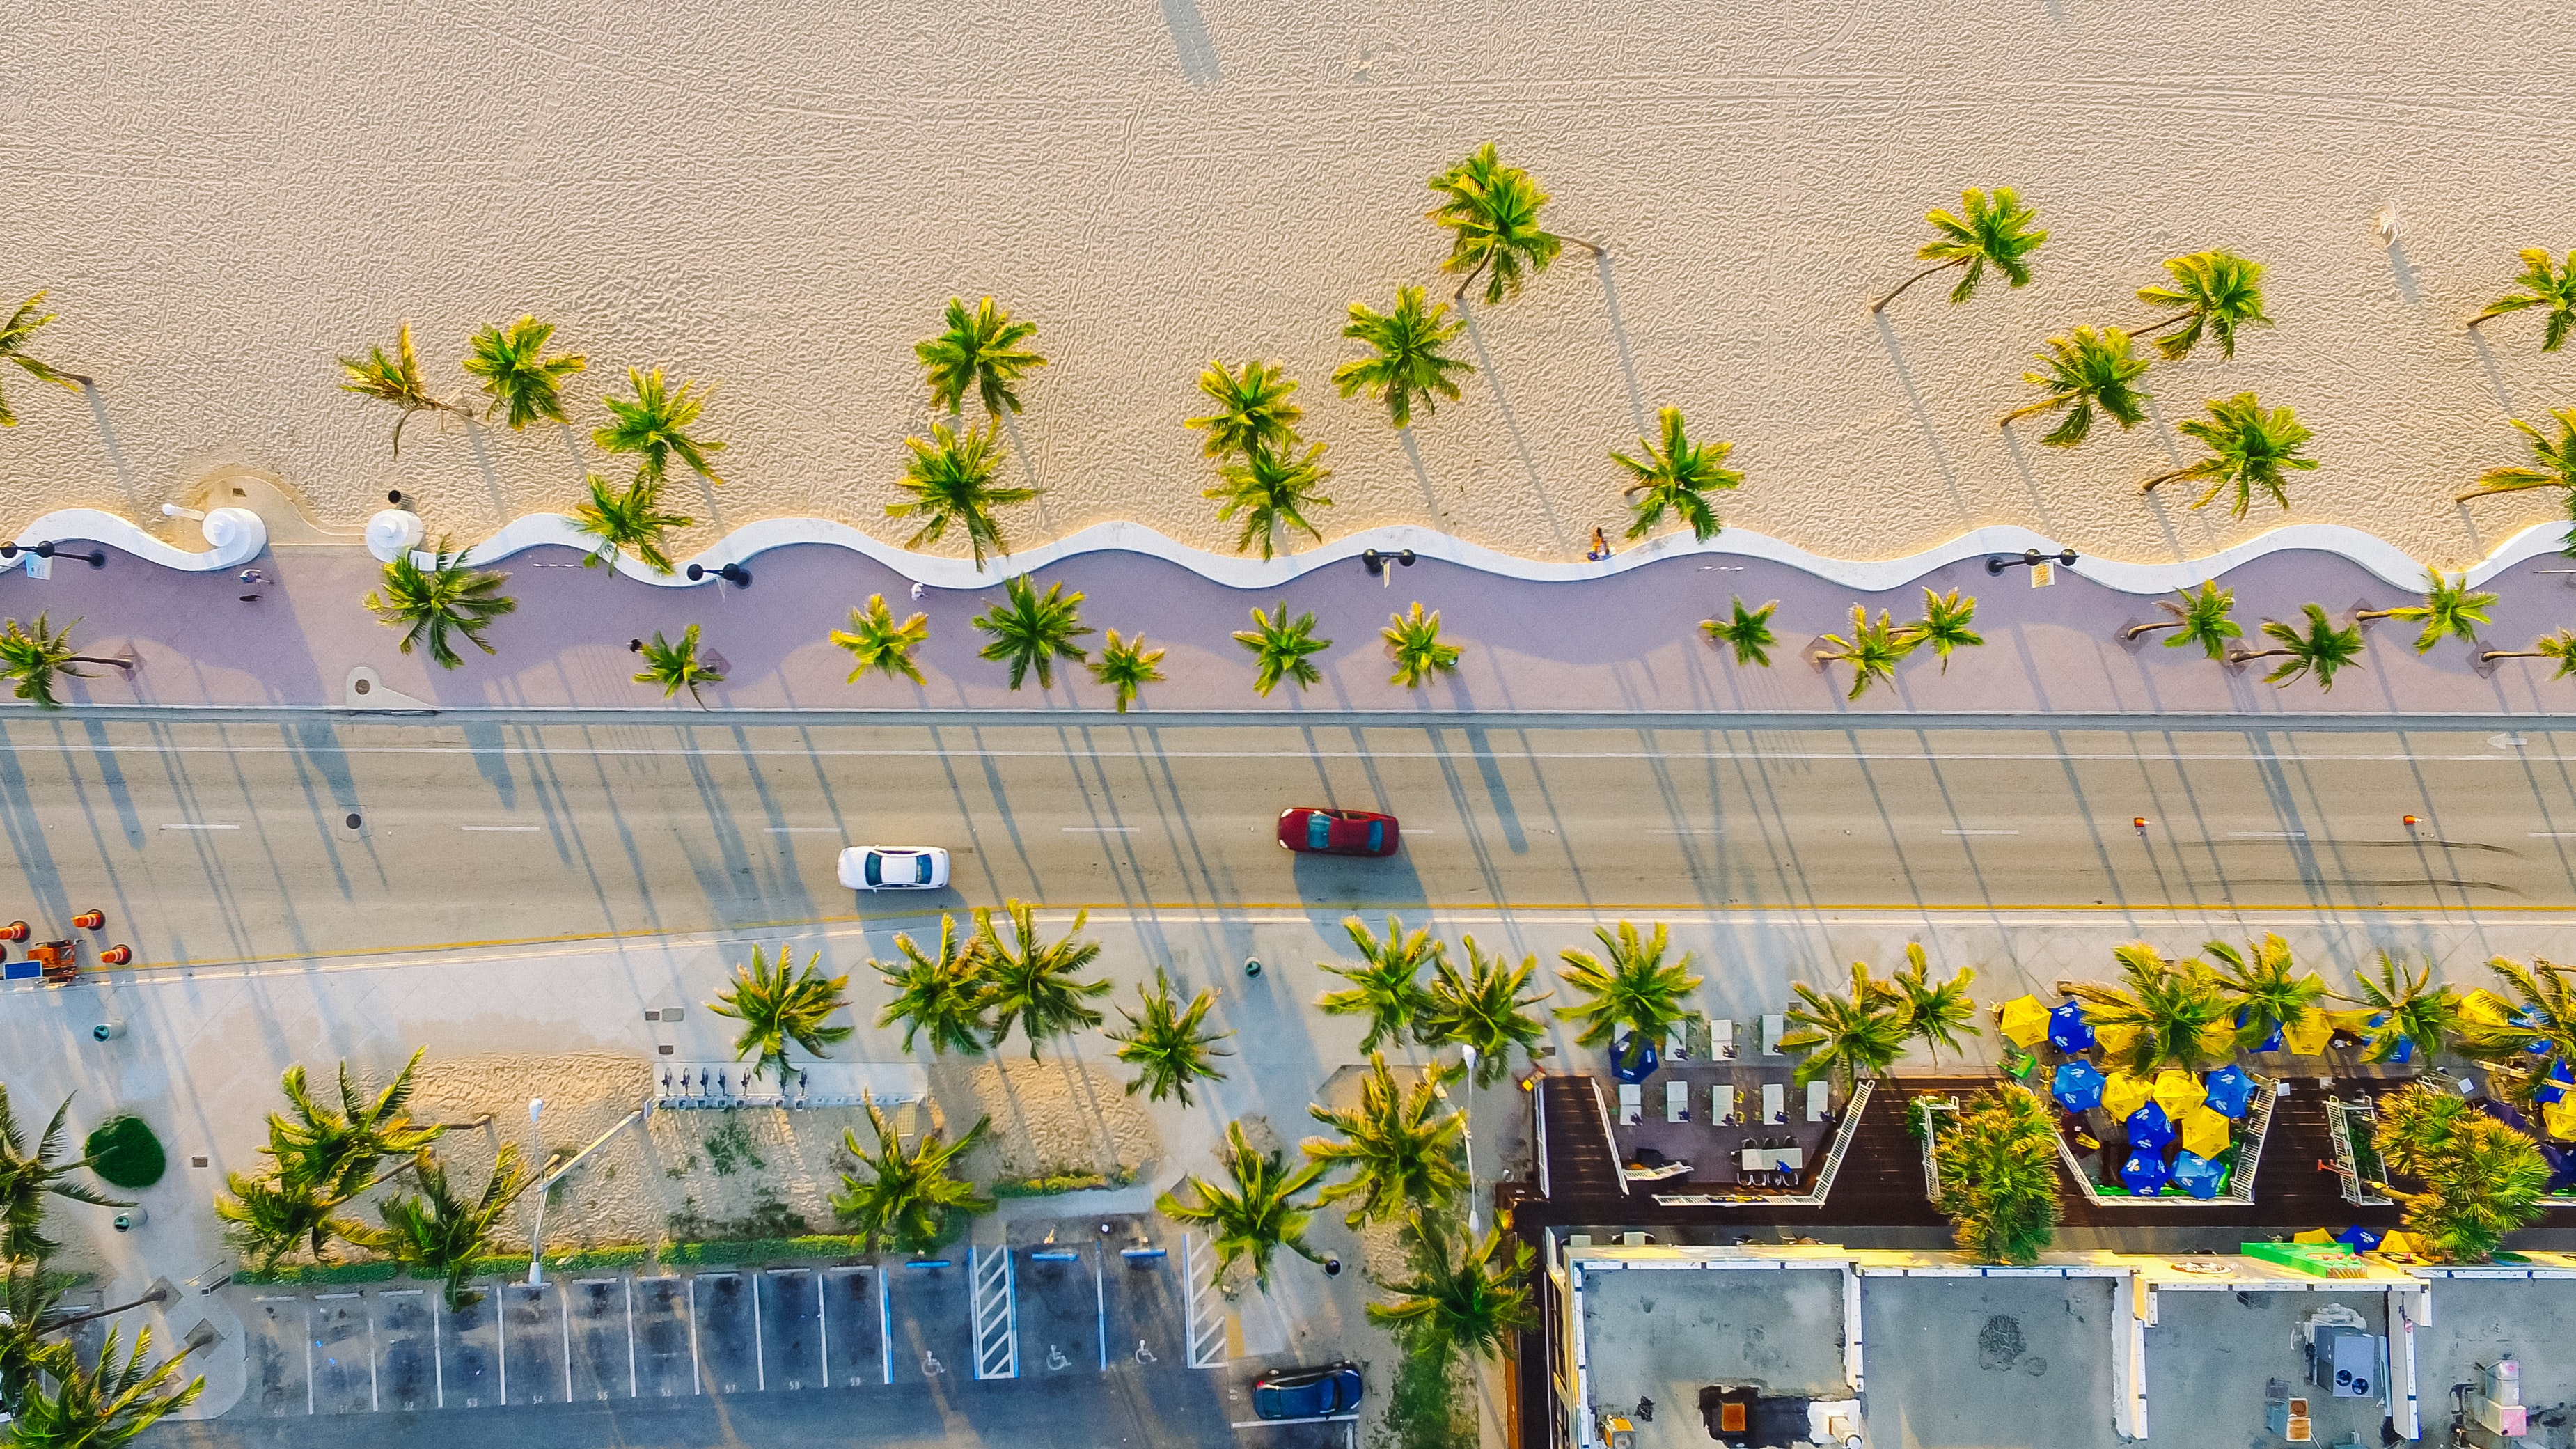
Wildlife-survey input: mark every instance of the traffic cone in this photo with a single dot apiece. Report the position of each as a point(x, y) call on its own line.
point(117, 955)
point(14, 931)
point(90, 920)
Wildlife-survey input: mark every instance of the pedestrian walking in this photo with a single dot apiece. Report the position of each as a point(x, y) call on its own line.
point(1600, 546)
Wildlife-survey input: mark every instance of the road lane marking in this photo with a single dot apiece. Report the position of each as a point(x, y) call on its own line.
point(804, 829)
point(2553, 835)
point(1104, 830)
point(503, 829)
point(200, 827)
point(2268, 834)
point(1981, 832)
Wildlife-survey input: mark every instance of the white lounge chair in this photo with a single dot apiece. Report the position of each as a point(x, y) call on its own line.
point(1676, 1100)
point(1816, 1100)
point(1773, 1028)
point(1632, 1104)
point(1721, 1039)
point(1775, 1103)
point(1721, 1106)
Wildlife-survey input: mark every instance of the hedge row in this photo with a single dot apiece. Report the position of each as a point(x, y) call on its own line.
point(1050, 1184)
point(578, 1260)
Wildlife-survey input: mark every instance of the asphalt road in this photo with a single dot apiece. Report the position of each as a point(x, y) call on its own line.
point(321, 837)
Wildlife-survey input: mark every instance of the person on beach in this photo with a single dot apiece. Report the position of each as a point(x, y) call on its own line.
point(1600, 546)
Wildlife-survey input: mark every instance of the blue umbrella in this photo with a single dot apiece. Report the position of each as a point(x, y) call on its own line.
point(2229, 1089)
point(2150, 1130)
point(2077, 1086)
point(2562, 1167)
point(1633, 1057)
point(2270, 1043)
point(2144, 1172)
point(2197, 1175)
point(2067, 1029)
point(2360, 1240)
point(2555, 1085)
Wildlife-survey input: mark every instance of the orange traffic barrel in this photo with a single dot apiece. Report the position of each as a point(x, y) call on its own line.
point(14, 931)
point(90, 920)
point(117, 955)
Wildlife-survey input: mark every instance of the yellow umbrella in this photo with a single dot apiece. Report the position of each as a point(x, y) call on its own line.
point(2558, 1118)
point(2204, 1131)
point(2313, 1235)
point(2307, 1036)
point(2218, 1039)
point(2483, 1008)
point(2124, 1093)
point(2024, 1021)
point(2178, 1091)
point(2115, 1041)
point(2398, 1243)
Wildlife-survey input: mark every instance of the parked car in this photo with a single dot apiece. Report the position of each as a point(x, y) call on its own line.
point(1313, 830)
point(1308, 1393)
point(894, 867)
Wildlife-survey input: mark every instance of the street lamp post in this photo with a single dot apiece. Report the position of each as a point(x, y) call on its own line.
point(2030, 558)
point(1467, 1130)
point(732, 573)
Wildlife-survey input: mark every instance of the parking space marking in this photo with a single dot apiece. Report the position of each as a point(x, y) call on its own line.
point(634, 1386)
point(759, 1354)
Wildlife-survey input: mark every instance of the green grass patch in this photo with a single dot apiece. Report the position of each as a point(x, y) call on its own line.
point(1049, 1184)
point(499, 1265)
point(126, 1153)
point(580, 1260)
point(368, 1270)
point(1428, 1406)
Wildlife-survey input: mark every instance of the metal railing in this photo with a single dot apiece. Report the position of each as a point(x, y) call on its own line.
point(2240, 1181)
point(1819, 1184)
point(1538, 1106)
point(2343, 1119)
point(1609, 1137)
point(1932, 1108)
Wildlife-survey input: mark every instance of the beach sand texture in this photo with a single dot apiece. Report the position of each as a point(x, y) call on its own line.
point(779, 199)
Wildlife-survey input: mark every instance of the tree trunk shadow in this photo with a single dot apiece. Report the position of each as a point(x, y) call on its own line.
point(1512, 425)
point(2029, 481)
point(116, 458)
point(1619, 336)
point(1922, 414)
point(1028, 470)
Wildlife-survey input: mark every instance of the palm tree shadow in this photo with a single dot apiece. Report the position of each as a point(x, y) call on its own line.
point(2401, 272)
point(1922, 415)
point(1421, 475)
point(1512, 425)
point(1028, 470)
point(115, 451)
point(491, 475)
point(2495, 375)
point(2029, 481)
point(2155, 502)
point(1619, 335)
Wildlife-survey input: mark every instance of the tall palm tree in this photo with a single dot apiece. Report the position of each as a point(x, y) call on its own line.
point(2080, 371)
point(1748, 633)
point(14, 335)
point(2264, 988)
point(2200, 619)
point(2248, 449)
point(654, 425)
point(1413, 642)
point(1995, 232)
point(396, 380)
point(2531, 1034)
point(2322, 650)
point(1032, 631)
point(981, 352)
point(2402, 1014)
point(909, 1198)
point(1676, 476)
point(107, 1406)
point(629, 519)
point(1482, 1008)
point(1280, 648)
point(1873, 650)
point(1256, 1214)
point(1460, 1297)
point(2557, 461)
point(1126, 666)
point(1845, 1036)
point(1169, 1045)
point(877, 642)
point(31, 1296)
point(2451, 609)
point(1401, 1147)
point(1944, 625)
point(523, 383)
point(1271, 487)
point(27, 1179)
point(2543, 285)
point(776, 1008)
point(677, 666)
point(1253, 410)
point(2218, 292)
point(1032, 982)
point(951, 482)
point(437, 605)
point(1386, 985)
point(269, 1220)
point(1492, 214)
point(1998, 1173)
point(1631, 990)
point(2560, 646)
point(35, 655)
point(1411, 362)
point(2481, 1179)
point(336, 1147)
point(1935, 1012)
point(437, 1234)
point(2172, 1012)
point(945, 994)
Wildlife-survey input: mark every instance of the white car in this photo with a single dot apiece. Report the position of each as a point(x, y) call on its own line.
point(894, 867)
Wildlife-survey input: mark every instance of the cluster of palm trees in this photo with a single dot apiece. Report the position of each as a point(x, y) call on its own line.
point(1997, 1167)
point(2475, 1178)
point(48, 1395)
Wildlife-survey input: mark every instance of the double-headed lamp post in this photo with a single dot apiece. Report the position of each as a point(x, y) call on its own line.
point(1467, 1130)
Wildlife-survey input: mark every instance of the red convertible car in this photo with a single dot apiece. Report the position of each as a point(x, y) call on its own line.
point(1316, 831)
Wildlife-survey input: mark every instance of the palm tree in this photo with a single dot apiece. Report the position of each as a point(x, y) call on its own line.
point(103, 1407)
point(1402, 1147)
point(1280, 647)
point(676, 666)
point(2533, 1031)
point(1748, 633)
point(2248, 448)
point(2201, 618)
point(1935, 1014)
point(1411, 362)
point(335, 1149)
point(1459, 1296)
point(22, 325)
point(2543, 285)
point(27, 1180)
point(447, 600)
point(654, 425)
point(1030, 981)
point(2450, 609)
point(2089, 368)
point(437, 1234)
point(1031, 631)
point(1633, 990)
point(1271, 487)
point(271, 1220)
point(1994, 233)
point(2323, 649)
point(34, 654)
point(30, 1311)
point(2481, 1179)
point(394, 380)
point(1413, 642)
point(1481, 1009)
point(951, 482)
point(2402, 1014)
point(1998, 1172)
point(2560, 646)
point(945, 995)
point(981, 352)
point(775, 1009)
point(877, 642)
point(1126, 665)
point(908, 1200)
point(1258, 1215)
point(518, 377)
point(2218, 292)
point(1492, 213)
point(631, 519)
point(1253, 410)
point(2172, 1012)
point(1845, 1036)
point(1385, 986)
point(2557, 461)
point(2264, 989)
point(1873, 650)
point(1169, 1045)
point(1678, 476)
point(1944, 625)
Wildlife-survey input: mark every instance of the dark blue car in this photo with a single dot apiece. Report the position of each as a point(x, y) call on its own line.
point(1307, 1393)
